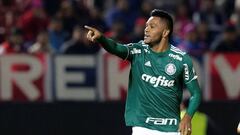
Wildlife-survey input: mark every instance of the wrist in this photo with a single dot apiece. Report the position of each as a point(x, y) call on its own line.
point(188, 117)
point(101, 38)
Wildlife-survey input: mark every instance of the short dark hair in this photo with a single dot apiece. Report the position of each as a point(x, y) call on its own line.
point(166, 16)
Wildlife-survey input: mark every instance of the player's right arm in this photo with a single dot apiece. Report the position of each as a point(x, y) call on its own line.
point(109, 45)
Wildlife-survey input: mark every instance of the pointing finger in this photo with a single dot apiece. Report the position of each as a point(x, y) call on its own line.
point(89, 28)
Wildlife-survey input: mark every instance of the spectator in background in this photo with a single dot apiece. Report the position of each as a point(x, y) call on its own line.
point(117, 33)
point(228, 8)
point(96, 19)
point(57, 34)
point(14, 44)
point(78, 44)
point(182, 19)
point(204, 35)
point(7, 19)
point(10, 10)
point(67, 15)
point(24, 5)
point(138, 31)
point(51, 7)
point(194, 5)
point(81, 8)
point(146, 8)
point(235, 16)
point(209, 14)
point(122, 12)
point(42, 45)
point(190, 42)
point(166, 4)
point(33, 21)
point(228, 41)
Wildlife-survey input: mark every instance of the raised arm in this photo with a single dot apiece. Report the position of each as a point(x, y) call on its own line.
point(109, 45)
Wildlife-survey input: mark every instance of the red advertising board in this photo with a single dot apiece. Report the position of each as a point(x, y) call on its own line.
point(23, 77)
point(27, 77)
point(222, 76)
point(114, 78)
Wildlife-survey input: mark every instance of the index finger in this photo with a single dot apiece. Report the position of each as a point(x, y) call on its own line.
point(89, 28)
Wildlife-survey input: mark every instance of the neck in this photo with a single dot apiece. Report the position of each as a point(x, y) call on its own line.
point(162, 46)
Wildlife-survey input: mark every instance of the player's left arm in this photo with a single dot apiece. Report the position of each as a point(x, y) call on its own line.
point(191, 82)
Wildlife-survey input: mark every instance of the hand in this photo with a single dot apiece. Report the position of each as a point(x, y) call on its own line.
point(93, 34)
point(185, 127)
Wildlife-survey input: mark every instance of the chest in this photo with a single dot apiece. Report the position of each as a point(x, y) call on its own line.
point(153, 65)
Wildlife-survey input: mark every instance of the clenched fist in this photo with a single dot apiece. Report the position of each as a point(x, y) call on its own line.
point(93, 34)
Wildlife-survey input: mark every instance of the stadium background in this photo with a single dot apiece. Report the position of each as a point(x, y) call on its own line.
point(53, 82)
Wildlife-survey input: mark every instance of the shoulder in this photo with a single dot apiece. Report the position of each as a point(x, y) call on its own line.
point(179, 54)
point(137, 48)
point(176, 50)
point(137, 44)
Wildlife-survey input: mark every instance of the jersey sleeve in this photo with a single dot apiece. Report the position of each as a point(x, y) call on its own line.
point(191, 82)
point(124, 51)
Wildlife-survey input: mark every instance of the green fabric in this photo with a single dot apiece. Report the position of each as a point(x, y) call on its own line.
point(155, 84)
point(194, 89)
point(113, 47)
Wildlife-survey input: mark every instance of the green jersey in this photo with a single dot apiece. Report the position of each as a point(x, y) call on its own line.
point(155, 86)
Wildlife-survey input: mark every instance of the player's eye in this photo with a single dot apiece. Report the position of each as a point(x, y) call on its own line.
point(152, 26)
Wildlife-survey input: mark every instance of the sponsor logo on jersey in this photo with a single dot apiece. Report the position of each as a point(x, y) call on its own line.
point(176, 57)
point(170, 69)
point(158, 81)
point(186, 72)
point(146, 51)
point(148, 64)
point(135, 51)
point(161, 121)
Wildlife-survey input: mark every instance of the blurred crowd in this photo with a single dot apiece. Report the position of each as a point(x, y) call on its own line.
point(56, 26)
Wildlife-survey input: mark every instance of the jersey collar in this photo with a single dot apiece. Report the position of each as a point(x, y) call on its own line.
point(161, 53)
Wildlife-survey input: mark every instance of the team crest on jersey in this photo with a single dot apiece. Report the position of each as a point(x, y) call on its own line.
point(170, 69)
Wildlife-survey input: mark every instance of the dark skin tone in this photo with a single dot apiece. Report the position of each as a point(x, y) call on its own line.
point(156, 36)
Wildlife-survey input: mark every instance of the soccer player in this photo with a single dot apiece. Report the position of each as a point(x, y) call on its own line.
point(158, 73)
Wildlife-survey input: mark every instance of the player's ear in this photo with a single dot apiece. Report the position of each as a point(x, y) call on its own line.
point(166, 33)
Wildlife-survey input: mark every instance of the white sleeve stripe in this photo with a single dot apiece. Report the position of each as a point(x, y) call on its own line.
point(195, 77)
point(127, 53)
